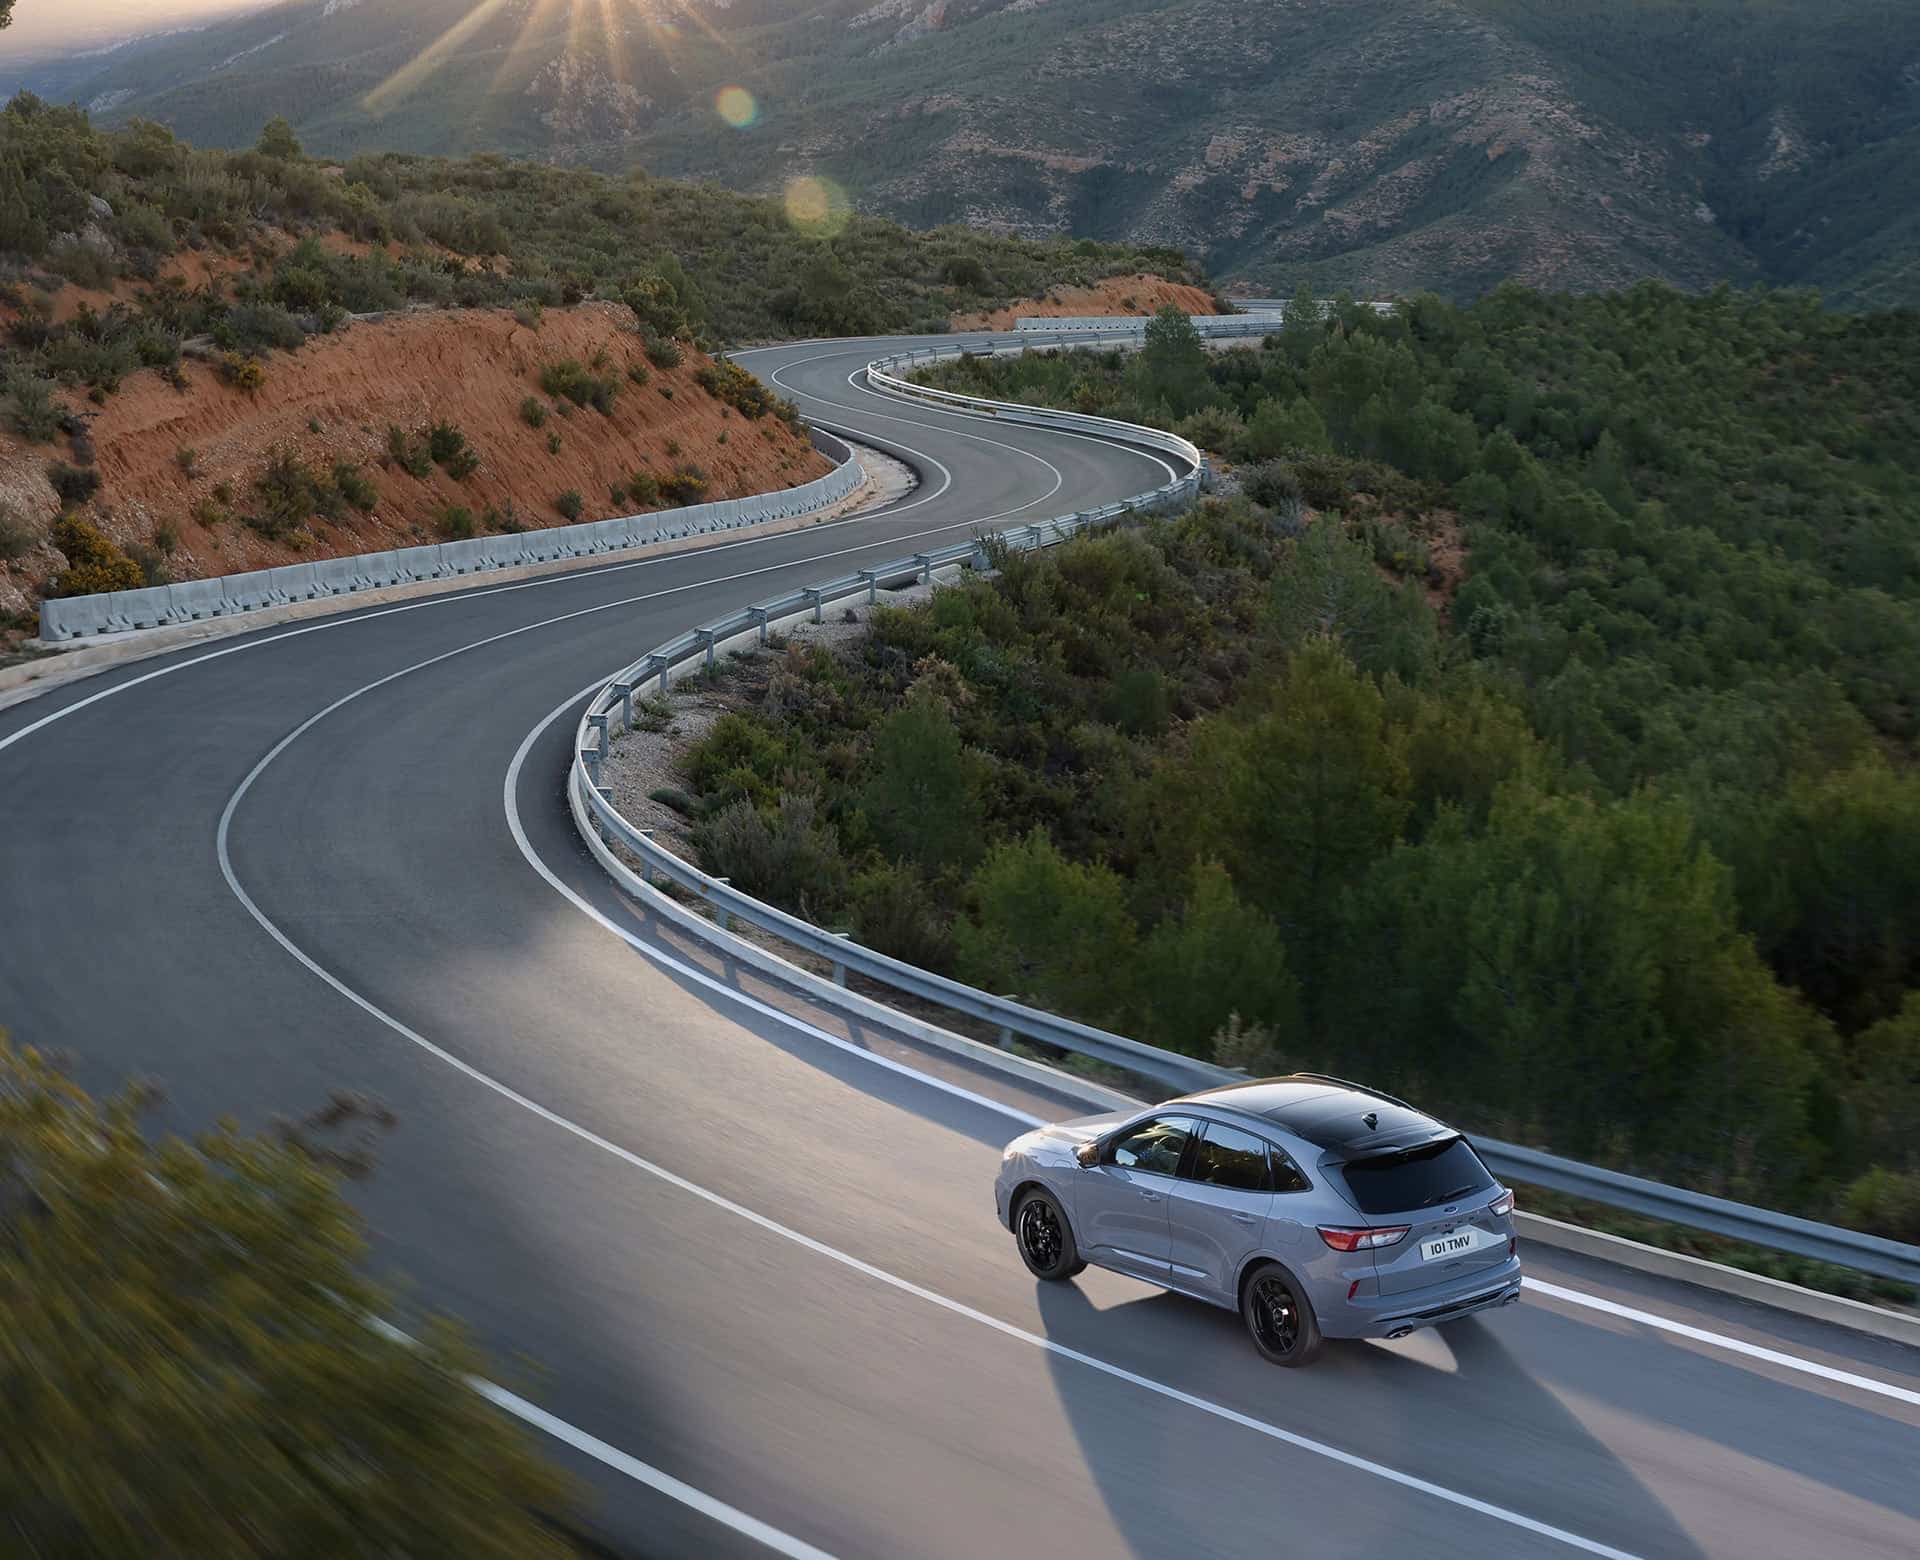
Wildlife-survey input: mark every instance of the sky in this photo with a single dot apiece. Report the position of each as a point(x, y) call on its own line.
point(40, 26)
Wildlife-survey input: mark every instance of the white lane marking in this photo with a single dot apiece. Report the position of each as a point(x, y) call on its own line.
point(645, 1473)
point(821, 1248)
point(622, 1462)
point(1845, 1378)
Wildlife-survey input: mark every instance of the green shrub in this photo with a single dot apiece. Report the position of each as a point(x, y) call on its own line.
point(354, 486)
point(791, 857)
point(95, 563)
point(895, 913)
point(570, 380)
point(675, 798)
point(456, 522)
point(187, 458)
point(256, 325)
point(229, 1268)
point(411, 454)
point(528, 313)
point(166, 536)
point(553, 442)
point(643, 487)
point(638, 373)
point(73, 485)
point(1885, 1202)
point(31, 410)
point(570, 503)
point(288, 494)
point(664, 352)
point(533, 412)
point(448, 447)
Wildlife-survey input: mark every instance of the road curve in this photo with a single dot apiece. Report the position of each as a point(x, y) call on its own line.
point(749, 1246)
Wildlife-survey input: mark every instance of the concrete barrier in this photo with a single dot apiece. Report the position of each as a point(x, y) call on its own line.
point(192, 600)
point(75, 617)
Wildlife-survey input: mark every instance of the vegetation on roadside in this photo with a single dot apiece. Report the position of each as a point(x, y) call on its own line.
point(1554, 706)
point(188, 1360)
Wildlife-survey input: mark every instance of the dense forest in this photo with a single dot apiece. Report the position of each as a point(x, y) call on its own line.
point(1551, 687)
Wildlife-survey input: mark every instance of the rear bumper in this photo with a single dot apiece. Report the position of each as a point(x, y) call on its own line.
point(1384, 1316)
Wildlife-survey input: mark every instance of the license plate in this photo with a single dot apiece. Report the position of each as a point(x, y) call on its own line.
point(1455, 1243)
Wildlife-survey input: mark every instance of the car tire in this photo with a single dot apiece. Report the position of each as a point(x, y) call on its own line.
point(1045, 1238)
point(1278, 1317)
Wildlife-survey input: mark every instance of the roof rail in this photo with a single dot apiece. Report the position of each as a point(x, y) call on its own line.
point(1360, 1088)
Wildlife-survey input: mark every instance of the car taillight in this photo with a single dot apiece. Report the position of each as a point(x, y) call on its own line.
point(1357, 1240)
point(1501, 1206)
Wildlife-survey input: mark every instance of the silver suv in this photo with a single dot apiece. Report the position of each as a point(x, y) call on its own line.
point(1314, 1207)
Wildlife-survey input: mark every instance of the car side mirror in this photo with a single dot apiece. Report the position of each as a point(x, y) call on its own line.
point(1088, 1153)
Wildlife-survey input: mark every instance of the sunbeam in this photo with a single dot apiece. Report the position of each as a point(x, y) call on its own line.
point(422, 65)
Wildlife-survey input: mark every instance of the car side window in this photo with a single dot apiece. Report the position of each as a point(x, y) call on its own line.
point(1286, 1174)
point(1154, 1146)
point(1230, 1158)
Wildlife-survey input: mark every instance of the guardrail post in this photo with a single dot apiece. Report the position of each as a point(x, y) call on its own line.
point(646, 868)
point(926, 567)
point(625, 692)
point(719, 911)
point(705, 636)
point(813, 595)
point(759, 616)
point(839, 969)
point(1006, 1031)
point(606, 795)
point(593, 756)
point(873, 585)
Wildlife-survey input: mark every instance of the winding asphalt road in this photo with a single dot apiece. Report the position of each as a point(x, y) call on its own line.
point(748, 1249)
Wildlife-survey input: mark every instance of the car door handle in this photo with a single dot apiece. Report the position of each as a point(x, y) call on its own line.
point(1245, 1218)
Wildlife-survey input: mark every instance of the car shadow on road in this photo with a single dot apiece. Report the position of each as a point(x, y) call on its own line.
point(1180, 1477)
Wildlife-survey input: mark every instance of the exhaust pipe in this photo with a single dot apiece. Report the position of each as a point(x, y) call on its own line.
point(1399, 1332)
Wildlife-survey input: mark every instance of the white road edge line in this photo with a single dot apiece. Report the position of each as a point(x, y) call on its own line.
point(621, 1462)
point(645, 1473)
point(762, 1221)
point(1845, 1378)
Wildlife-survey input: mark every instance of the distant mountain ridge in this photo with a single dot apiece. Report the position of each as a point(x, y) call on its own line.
point(1387, 145)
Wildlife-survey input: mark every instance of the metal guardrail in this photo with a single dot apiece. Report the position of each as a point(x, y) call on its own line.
point(230, 595)
point(1208, 325)
point(1168, 1070)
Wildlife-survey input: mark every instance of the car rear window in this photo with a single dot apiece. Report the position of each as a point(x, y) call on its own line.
point(1419, 1178)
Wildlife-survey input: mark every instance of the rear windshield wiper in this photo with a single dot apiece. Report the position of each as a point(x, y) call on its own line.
point(1458, 1191)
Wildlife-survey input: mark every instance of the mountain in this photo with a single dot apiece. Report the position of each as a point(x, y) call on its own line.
point(1387, 145)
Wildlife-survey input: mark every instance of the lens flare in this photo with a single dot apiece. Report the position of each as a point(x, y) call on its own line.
point(817, 207)
point(736, 106)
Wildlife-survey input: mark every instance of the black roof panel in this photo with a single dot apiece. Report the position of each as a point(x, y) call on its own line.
point(1327, 1115)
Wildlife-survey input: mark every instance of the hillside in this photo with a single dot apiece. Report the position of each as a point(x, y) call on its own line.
point(194, 475)
point(156, 298)
point(1387, 145)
